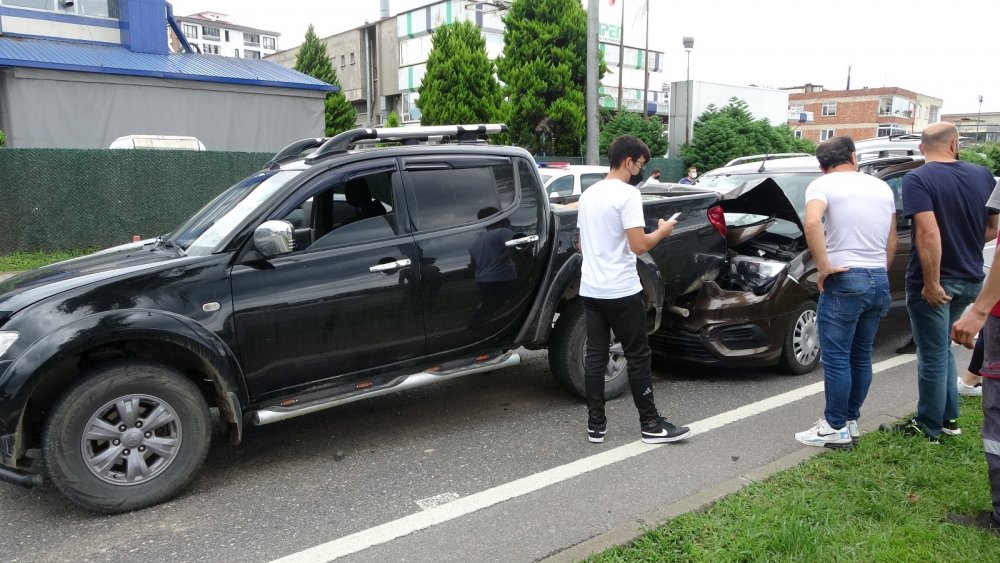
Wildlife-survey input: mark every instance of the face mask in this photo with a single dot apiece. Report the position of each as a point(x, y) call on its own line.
point(634, 179)
point(692, 174)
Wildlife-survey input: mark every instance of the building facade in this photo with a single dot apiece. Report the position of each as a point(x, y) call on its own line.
point(79, 74)
point(977, 127)
point(381, 65)
point(213, 33)
point(860, 114)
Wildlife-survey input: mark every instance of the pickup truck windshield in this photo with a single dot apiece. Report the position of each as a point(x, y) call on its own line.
point(228, 211)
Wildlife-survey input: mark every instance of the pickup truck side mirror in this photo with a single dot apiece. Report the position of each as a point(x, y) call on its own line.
point(274, 238)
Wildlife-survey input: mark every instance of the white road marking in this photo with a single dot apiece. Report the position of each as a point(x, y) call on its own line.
point(467, 505)
point(437, 500)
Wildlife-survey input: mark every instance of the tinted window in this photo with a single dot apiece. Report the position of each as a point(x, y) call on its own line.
point(561, 186)
point(455, 196)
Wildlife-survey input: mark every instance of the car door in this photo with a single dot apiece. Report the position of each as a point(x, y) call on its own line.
point(345, 306)
point(904, 234)
point(476, 223)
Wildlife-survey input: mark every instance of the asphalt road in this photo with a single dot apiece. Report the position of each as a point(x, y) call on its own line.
point(507, 448)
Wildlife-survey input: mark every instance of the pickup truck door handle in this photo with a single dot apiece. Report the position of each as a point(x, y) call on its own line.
point(389, 266)
point(520, 241)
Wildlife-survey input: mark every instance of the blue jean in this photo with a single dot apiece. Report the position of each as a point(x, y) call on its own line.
point(847, 316)
point(937, 399)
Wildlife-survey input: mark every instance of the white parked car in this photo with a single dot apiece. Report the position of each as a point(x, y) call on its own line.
point(563, 180)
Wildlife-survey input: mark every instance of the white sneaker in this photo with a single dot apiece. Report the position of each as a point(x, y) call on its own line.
point(852, 429)
point(969, 390)
point(822, 435)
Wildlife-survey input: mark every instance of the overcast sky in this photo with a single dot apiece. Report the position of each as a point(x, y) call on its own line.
point(941, 49)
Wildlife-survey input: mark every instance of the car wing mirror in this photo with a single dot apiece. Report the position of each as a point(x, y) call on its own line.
point(274, 238)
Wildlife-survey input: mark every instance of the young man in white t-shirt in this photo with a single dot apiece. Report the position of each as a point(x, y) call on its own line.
point(853, 252)
point(612, 233)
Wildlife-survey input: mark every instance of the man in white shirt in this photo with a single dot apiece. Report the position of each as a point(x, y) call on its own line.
point(612, 233)
point(853, 251)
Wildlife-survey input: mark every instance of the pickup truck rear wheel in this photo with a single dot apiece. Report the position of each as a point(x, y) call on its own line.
point(801, 351)
point(567, 348)
point(125, 436)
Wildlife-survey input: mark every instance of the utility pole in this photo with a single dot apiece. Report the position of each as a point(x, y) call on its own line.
point(593, 26)
point(621, 56)
point(978, 114)
point(645, 58)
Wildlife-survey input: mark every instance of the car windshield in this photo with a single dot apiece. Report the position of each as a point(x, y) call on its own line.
point(228, 211)
point(794, 185)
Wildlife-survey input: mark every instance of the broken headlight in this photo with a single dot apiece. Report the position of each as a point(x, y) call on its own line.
point(749, 273)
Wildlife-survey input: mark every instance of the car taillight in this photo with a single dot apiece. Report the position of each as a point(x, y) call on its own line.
point(718, 219)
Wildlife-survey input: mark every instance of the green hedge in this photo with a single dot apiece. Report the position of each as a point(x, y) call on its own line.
point(64, 199)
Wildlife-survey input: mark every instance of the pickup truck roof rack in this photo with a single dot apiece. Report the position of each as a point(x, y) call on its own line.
point(405, 135)
point(296, 149)
point(770, 156)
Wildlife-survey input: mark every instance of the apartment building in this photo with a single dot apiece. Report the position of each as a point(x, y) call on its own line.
point(860, 114)
point(977, 127)
point(381, 65)
point(212, 33)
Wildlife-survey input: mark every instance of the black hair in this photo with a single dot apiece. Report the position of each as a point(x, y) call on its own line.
point(627, 146)
point(834, 152)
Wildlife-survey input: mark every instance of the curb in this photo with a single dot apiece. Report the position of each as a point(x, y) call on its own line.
point(628, 532)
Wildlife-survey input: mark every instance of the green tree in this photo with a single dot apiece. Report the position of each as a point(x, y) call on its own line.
point(3, 138)
point(392, 120)
point(649, 130)
point(544, 72)
point(459, 85)
point(313, 60)
point(722, 134)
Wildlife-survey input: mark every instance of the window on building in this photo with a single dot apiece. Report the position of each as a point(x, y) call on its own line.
point(251, 40)
point(411, 112)
point(343, 58)
point(797, 108)
point(236, 53)
point(352, 58)
point(886, 129)
point(895, 106)
point(825, 134)
point(210, 32)
point(210, 49)
point(100, 8)
point(798, 134)
point(251, 54)
point(829, 109)
point(191, 31)
point(935, 114)
point(227, 36)
point(269, 43)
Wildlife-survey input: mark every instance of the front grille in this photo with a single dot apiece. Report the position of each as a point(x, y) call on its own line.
point(742, 337)
point(679, 343)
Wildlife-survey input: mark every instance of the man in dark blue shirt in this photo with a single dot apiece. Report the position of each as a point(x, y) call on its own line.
point(946, 198)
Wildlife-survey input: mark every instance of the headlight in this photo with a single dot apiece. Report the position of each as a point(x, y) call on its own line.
point(755, 274)
point(7, 339)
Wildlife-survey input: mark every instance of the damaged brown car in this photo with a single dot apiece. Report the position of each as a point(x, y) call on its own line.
point(761, 310)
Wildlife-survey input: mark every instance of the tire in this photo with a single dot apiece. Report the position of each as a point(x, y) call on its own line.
point(567, 348)
point(147, 465)
point(800, 352)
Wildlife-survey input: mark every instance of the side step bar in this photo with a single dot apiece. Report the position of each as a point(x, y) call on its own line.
point(277, 413)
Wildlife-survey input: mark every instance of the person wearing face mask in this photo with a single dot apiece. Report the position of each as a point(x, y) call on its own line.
point(612, 234)
point(689, 179)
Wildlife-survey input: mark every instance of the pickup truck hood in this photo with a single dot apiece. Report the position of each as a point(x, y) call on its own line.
point(28, 287)
point(760, 197)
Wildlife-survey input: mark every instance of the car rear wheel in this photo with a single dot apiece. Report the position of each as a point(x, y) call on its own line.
point(801, 351)
point(127, 435)
point(568, 347)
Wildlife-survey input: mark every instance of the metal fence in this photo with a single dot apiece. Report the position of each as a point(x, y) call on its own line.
point(69, 199)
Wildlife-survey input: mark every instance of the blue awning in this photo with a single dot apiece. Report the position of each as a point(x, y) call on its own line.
point(115, 59)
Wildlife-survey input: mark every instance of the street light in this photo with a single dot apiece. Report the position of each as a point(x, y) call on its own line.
point(688, 45)
point(978, 113)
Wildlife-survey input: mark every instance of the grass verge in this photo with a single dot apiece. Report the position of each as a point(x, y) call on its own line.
point(21, 261)
point(885, 500)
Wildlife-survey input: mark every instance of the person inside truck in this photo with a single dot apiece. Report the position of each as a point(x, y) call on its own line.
point(612, 233)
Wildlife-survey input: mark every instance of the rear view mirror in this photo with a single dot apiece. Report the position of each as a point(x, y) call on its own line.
point(274, 238)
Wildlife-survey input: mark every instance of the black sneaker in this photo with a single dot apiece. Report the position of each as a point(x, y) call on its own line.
point(950, 427)
point(984, 521)
point(909, 348)
point(596, 433)
point(659, 431)
point(908, 428)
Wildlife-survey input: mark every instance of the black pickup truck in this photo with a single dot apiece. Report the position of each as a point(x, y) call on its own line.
point(348, 268)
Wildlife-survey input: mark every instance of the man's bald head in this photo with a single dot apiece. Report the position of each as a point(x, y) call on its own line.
point(939, 142)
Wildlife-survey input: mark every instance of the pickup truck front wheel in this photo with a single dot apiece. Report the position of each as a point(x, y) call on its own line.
point(567, 348)
point(125, 436)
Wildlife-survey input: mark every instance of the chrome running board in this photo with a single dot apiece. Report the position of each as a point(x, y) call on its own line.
point(402, 383)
